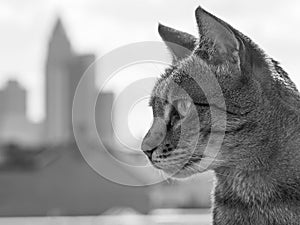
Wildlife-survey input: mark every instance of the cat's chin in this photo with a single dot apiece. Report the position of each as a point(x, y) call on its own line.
point(186, 171)
point(181, 174)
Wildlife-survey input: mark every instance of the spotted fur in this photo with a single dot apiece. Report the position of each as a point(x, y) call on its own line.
point(257, 161)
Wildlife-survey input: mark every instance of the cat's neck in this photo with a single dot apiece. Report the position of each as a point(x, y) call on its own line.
point(265, 158)
point(243, 194)
point(267, 182)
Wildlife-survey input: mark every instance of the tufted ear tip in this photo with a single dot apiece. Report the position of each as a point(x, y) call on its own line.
point(166, 32)
point(180, 44)
point(198, 11)
point(161, 27)
point(169, 34)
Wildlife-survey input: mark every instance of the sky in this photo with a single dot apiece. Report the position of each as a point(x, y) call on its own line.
point(101, 26)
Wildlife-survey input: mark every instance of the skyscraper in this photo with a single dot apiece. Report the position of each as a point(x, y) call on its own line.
point(13, 99)
point(64, 69)
point(14, 124)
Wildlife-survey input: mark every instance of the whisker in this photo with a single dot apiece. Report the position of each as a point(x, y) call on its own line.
point(191, 168)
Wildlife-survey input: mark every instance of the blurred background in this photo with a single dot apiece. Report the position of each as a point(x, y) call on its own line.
point(46, 46)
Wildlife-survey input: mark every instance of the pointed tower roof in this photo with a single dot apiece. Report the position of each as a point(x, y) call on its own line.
point(59, 47)
point(58, 26)
point(59, 33)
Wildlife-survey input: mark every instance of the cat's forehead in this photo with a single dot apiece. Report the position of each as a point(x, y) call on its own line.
point(185, 80)
point(158, 100)
point(159, 95)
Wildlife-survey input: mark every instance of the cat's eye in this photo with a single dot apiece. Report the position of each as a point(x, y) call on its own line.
point(174, 119)
point(183, 107)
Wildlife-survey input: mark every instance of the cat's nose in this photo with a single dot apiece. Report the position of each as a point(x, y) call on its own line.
point(147, 149)
point(149, 153)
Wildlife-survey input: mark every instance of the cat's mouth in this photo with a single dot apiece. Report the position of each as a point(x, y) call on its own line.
point(189, 168)
point(193, 160)
point(185, 169)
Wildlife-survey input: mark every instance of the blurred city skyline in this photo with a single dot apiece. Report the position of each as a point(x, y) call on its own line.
point(101, 26)
point(46, 47)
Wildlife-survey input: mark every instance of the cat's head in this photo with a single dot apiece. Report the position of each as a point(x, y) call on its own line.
point(207, 107)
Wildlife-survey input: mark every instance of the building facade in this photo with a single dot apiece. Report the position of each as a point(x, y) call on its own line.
point(14, 125)
point(13, 99)
point(64, 70)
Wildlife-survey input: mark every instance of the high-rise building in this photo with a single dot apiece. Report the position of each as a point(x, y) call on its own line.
point(78, 68)
point(13, 99)
point(64, 69)
point(14, 124)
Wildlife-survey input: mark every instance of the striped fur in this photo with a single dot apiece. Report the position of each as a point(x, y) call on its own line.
point(258, 164)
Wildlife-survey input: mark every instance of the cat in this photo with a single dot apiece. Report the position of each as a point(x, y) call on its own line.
point(257, 165)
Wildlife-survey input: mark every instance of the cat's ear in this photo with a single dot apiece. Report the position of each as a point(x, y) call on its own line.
point(219, 32)
point(180, 44)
